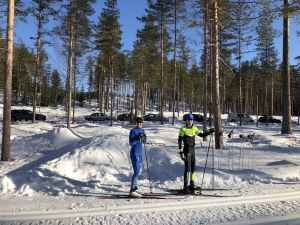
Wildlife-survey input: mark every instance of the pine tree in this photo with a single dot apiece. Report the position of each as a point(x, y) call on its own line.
point(160, 12)
point(75, 32)
point(286, 127)
point(145, 59)
point(5, 148)
point(55, 87)
point(89, 67)
point(215, 74)
point(108, 40)
point(241, 35)
point(41, 11)
point(266, 51)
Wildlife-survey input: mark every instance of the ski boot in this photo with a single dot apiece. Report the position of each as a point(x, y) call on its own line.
point(194, 188)
point(134, 194)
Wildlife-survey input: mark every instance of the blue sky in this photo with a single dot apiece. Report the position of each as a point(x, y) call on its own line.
point(130, 9)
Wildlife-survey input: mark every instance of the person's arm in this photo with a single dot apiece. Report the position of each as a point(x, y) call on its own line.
point(145, 140)
point(133, 138)
point(180, 139)
point(209, 132)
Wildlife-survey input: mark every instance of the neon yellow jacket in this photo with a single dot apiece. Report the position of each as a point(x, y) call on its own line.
point(187, 135)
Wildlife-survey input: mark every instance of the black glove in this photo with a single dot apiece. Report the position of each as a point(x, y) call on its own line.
point(211, 130)
point(182, 156)
point(142, 136)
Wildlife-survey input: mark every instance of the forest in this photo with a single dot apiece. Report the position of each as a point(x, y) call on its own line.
point(168, 69)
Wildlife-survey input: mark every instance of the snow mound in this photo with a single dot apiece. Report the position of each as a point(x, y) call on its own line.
point(61, 136)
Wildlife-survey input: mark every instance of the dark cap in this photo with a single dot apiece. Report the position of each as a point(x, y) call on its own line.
point(139, 119)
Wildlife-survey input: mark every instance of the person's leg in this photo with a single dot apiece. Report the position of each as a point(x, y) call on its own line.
point(139, 166)
point(135, 167)
point(193, 168)
point(186, 171)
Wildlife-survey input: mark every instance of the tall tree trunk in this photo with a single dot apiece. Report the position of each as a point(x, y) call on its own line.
point(36, 76)
point(112, 90)
point(69, 81)
point(215, 74)
point(162, 76)
point(74, 80)
point(174, 82)
point(205, 61)
point(5, 148)
point(286, 98)
point(272, 96)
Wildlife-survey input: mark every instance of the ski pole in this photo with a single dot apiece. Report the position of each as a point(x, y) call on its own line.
point(188, 161)
point(213, 161)
point(242, 151)
point(205, 163)
point(148, 168)
point(251, 141)
point(230, 149)
point(221, 149)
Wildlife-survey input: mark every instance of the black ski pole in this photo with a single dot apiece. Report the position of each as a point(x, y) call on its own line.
point(230, 152)
point(213, 160)
point(205, 163)
point(148, 168)
point(242, 137)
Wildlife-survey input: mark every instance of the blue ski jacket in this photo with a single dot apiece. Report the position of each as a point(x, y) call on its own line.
point(134, 141)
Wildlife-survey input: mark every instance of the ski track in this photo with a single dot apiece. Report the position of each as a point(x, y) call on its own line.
point(160, 211)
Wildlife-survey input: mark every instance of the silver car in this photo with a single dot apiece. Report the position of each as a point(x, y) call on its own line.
point(97, 117)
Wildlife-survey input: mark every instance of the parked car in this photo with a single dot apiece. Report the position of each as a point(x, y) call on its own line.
point(154, 117)
point(235, 117)
point(271, 119)
point(197, 117)
point(22, 114)
point(125, 117)
point(97, 117)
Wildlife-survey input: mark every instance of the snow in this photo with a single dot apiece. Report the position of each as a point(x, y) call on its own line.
point(57, 175)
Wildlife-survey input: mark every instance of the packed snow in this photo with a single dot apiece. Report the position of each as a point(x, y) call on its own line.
point(61, 176)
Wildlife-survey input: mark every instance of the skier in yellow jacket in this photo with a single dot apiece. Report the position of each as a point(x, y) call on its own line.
point(187, 153)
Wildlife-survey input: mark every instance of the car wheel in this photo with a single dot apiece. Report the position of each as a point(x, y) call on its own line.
point(122, 119)
point(13, 119)
point(106, 119)
point(251, 121)
point(233, 120)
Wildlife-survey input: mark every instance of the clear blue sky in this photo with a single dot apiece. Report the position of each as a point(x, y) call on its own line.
point(130, 9)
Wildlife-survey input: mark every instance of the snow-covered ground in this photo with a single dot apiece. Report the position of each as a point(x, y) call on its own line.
point(58, 175)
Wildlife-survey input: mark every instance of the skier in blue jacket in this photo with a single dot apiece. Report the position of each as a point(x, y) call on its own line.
point(137, 138)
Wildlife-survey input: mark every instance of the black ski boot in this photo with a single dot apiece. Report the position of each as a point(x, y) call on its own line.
point(194, 188)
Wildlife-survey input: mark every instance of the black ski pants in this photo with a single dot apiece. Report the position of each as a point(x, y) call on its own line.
point(189, 164)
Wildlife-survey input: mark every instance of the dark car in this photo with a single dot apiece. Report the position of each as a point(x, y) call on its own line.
point(154, 117)
point(271, 119)
point(125, 117)
point(22, 114)
point(97, 117)
point(197, 117)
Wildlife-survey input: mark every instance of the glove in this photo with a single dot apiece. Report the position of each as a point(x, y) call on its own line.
point(211, 130)
point(142, 136)
point(182, 156)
